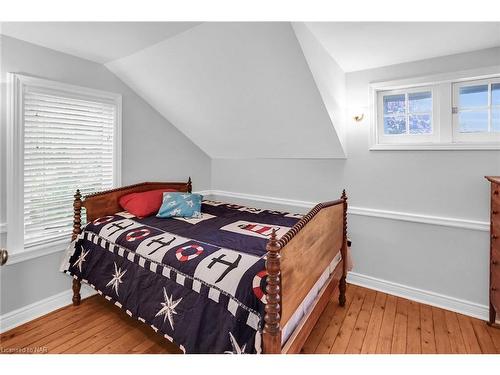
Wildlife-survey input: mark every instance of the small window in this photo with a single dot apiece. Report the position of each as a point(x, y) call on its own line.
point(406, 116)
point(476, 110)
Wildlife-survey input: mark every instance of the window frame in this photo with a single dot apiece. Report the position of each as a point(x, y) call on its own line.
point(473, 137)
point(16, 84)
point(407, 138)
point(444, 125)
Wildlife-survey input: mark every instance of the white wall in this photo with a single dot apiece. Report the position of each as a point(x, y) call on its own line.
point(448, 261)
point(153, 149)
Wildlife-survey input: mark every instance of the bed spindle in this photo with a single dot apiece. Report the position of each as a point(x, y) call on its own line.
point(189, 185)
point(272, 329)
point(77, 225)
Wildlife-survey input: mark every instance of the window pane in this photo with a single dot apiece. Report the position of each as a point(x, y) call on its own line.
point(473, 122)
point(474, 96)
point(394, 104)
point(495, 120)
point(420, 124)
point(395, 125)
point(420, 101)
point(495, 94)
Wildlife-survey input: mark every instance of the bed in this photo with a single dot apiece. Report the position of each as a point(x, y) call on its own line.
point(237, 280)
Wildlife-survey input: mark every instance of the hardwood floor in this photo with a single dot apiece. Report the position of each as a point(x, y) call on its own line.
point(371, 322)
point(375, 322)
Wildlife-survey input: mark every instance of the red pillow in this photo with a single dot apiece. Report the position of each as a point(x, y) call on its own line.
point(143, 204)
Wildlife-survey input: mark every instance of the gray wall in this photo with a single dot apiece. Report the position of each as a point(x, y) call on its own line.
point(444, 260)
point(152, 149)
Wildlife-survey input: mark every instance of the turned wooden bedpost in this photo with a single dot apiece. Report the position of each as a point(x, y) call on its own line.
point(189, 186)
point(272, 330)
point(343, 251)
point(77, 212)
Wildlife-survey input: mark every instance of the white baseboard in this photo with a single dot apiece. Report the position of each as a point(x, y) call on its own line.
point(35, 310)
point(453, 222)
point(429, 298)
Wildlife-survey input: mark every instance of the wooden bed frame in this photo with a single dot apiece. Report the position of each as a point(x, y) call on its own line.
point(294, 262)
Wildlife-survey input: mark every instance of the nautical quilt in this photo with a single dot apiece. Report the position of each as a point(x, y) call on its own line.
point(198, 281)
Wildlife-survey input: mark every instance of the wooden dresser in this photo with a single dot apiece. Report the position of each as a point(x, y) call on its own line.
point(494, 249)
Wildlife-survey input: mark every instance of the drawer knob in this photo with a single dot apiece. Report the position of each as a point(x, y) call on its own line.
point(495, 192)
point(494, 262)
point(494, 212)
point(494, 236)
point(493, 289)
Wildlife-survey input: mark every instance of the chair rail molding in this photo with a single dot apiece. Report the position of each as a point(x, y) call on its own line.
point(364, 211)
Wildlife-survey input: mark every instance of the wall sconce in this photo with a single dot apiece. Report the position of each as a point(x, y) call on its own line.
point(359, 117)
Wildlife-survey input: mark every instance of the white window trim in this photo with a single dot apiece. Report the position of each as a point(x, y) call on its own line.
point(15, 160)
point(444, 95)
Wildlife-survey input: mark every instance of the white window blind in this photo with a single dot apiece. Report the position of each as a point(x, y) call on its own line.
point(68, 145)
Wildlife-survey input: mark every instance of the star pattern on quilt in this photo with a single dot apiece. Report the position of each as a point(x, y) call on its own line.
point(168, 309)
point(236, 348)
point(79, 262)
point(117, 279)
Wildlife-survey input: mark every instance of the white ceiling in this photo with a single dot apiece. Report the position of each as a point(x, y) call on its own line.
point(96, 41)
point(366, 45)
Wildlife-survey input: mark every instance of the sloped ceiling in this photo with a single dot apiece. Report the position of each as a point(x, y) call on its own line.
point(366, 45)
point(100, 42)
point(238, 90)
point(328, 76)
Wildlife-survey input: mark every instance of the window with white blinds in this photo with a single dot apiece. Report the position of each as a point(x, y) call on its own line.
point(69, 142)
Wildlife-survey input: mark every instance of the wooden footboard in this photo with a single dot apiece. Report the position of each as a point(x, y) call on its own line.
point(294, 265)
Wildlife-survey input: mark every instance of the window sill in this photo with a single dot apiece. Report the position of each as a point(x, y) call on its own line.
point(436, 147)
point(37, 251)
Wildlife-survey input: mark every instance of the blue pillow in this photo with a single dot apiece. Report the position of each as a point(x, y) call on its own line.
point(180, 205)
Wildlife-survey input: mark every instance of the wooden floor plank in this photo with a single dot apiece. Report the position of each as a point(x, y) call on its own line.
point(385, 338)
point(344, 334)
point(333, 328)
point(25, 329)
point(22, 339)
point(483, 336)
point(319, 329)
point(443, 345)
point(371, 322)
point(372, 332)
point(454, 333)
point(428, 340)
point(400, 327)
point(469, 337)
point(414, 333)
point(358, 336)
point(81, 334)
